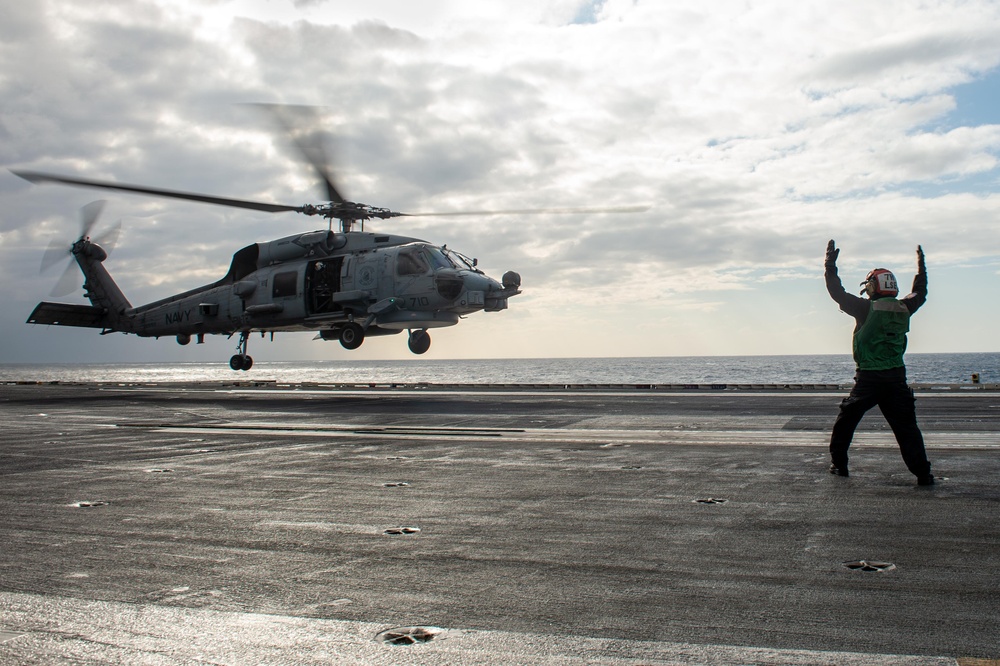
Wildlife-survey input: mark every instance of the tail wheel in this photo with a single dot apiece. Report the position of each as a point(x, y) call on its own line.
point(420, 342)
point(351, 335)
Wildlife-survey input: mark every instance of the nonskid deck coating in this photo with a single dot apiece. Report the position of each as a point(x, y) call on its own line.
point(577, 526)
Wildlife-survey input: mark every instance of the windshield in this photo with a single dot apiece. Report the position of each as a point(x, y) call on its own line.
point(459, 260)
point(439, 259)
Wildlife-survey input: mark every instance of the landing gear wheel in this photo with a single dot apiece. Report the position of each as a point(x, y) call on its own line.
point(419, 342)
point(351, 335)
point(241, 362)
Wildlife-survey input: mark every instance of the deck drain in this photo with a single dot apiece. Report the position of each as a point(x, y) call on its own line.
point(401, 530)
point(710, 500)
point(409, 635)
point(869, 565)
point(396, 484)
point(89, 505)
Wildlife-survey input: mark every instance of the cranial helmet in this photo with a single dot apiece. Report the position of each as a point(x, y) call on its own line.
point(880, 283)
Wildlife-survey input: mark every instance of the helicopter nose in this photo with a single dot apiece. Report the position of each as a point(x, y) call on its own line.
point(451, 284)
point(466, 288)
point(480, 282)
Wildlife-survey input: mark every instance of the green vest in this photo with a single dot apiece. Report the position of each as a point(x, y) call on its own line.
point(880, 342)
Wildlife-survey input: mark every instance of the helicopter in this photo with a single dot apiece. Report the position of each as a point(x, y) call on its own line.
point(346, 285)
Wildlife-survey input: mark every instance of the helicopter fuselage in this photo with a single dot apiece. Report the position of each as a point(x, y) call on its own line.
point(346, 286)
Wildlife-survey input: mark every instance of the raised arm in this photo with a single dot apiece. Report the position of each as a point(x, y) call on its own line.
point(849, 303)
point(918, 292)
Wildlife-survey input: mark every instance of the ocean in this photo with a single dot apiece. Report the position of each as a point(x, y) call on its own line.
point(800, 369)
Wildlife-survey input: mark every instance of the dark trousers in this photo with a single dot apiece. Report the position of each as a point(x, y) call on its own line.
point(898, 405)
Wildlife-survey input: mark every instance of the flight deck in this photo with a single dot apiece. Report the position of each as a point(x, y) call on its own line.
point(264, 523)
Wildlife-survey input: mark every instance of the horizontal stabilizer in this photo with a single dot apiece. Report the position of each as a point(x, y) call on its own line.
point(65, 314)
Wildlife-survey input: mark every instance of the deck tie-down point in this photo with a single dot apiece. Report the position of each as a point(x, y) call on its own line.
point(408, 635)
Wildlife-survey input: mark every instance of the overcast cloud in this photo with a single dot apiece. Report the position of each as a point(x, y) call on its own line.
point(756, 131)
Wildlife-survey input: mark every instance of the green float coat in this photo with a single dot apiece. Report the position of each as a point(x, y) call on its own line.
point(880, 342)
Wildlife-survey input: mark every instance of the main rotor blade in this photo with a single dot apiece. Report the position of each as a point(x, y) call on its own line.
point(308, 142)
point(38, 177)
point(536, 211)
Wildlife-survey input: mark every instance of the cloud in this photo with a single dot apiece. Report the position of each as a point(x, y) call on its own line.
point(970, 48)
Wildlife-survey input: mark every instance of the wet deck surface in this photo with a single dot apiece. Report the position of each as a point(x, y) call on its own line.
point(166, 524)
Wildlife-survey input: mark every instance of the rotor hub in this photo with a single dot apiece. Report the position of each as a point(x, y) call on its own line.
point(347, 212)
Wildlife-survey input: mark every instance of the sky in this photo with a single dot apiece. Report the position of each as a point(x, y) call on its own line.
point(756, 131)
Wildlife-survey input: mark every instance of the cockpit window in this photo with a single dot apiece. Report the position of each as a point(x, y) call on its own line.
point(438, 258)
point(461, 261)
point(410, 261)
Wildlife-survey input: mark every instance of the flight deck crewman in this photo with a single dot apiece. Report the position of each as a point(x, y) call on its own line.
point(882, 322)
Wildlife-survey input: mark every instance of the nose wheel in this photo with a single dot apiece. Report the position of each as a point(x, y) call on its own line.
point(419, 342)
point(241, 360)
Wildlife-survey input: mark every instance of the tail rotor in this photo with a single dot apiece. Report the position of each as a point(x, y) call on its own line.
point(57, 252)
